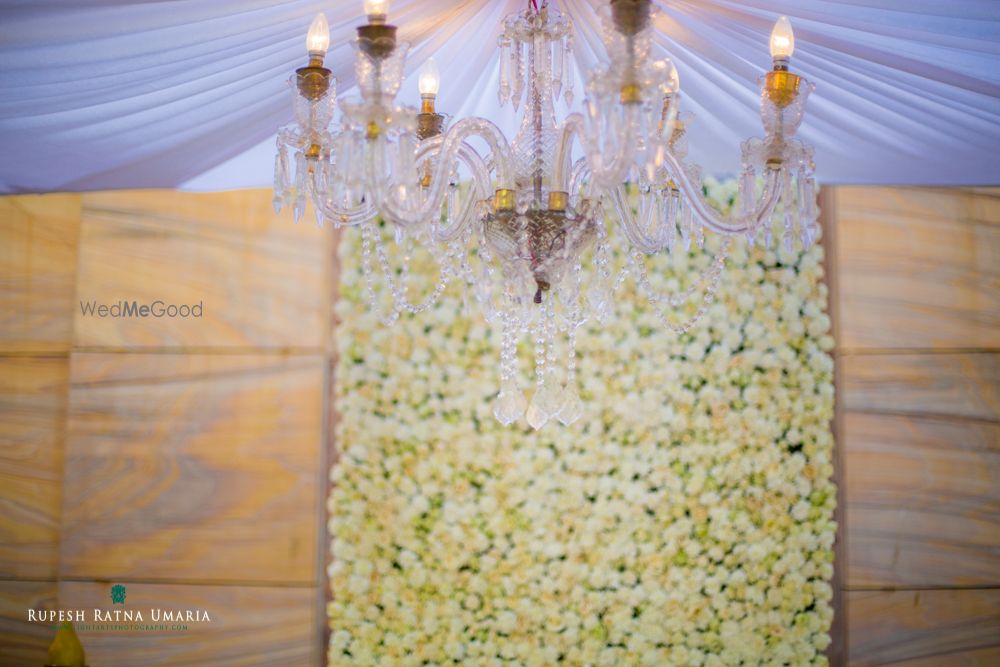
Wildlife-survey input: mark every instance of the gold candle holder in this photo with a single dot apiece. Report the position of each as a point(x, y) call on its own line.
point(503, 200)
point(313, 80)
point(377, 39)
point(781, 86)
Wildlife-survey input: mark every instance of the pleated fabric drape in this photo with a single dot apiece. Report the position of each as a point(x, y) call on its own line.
point(104, 94)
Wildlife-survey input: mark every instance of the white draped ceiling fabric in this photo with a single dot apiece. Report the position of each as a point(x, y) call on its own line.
point(105, 94)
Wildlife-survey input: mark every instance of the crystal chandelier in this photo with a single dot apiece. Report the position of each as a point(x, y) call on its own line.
point(517, 220)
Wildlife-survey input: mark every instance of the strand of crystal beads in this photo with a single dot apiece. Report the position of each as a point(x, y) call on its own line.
point(620, 280)
point(509, 404)
point(569, 296)
point(807, 208)
point(484, 286)
point(657, 301)
point(399, 289)
point(552, 395)
point(788, 202)
point(405, 243)
point(571, 359)
point(540, 353)
point(599, 295)
point(679, 299)
point(468, 274)
point(550, 328)
point(571, 407)
point(366, 268)
point(536, 415)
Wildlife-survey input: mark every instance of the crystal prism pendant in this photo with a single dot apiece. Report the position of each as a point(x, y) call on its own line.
point(600, 301)
point(536, 416)
point(550, 397)
point(509, 405)
point(545, 404)
point(572, 407)
point(299, 208)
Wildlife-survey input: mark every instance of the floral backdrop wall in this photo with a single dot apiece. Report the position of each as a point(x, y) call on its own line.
point(685, 519)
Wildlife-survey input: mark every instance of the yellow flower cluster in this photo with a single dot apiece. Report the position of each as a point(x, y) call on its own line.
point(685, 519)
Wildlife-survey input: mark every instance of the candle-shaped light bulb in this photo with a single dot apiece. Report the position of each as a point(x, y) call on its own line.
point(318, 37)
point(430, 78)
point(376, 10)
point(782, 39)
point(675, 79)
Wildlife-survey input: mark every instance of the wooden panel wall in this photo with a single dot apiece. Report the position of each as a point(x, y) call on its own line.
point(182, 457)
point(38, 246)
point(917, 312)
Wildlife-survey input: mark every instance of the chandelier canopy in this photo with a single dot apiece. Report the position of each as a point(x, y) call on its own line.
point(522, 221)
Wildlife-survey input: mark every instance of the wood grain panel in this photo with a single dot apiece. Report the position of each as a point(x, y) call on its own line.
point(193, 467)
point(24, 644)
point(32, 427)
point(934, 627)
point(923, 501)
point(985, 205)
point(262, 281)
point(985, 657)
point(38, 244)
point(960, 385)
point(250, 626)
point(916, 271)
point(943, 204)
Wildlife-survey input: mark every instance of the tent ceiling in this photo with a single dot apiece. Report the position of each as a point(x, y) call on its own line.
point(103, 94)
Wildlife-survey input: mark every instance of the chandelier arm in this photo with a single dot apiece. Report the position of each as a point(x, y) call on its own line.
point(480, 179)
point(392, 209)
point(708, 217)
point(605, 173)
point(350, 216)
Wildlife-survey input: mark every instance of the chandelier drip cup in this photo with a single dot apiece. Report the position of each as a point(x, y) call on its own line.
point(521, 222)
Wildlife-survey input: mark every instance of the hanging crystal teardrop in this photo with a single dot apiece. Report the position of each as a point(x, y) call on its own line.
point(535, 415)
point(747, 190)
point(503, 92)
point(557, 69)
point(568, 70)
point(280, 178)
point(571, 408)
point(517, 71)
point(300, 186)
point(509, 405)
